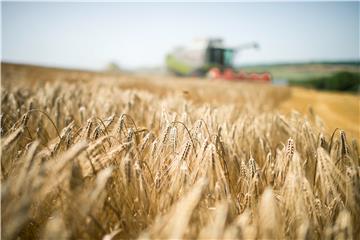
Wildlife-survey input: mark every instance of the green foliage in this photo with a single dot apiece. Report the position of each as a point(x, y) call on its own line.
point(341, 81)
point(304, 71)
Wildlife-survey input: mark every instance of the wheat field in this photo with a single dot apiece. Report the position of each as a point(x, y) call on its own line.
point(97, 156)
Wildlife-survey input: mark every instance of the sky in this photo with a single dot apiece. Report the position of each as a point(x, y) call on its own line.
point(90, 35)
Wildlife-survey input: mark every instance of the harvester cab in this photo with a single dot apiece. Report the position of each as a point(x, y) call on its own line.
point(223, 57)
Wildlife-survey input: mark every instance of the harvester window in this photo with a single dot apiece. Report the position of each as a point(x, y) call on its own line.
point(216, 56)
point(228, 57)
point(220, 56)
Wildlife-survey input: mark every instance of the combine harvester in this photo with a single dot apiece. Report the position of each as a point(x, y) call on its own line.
point(212, 59)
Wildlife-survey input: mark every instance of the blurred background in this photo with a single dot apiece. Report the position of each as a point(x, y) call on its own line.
point(312, 44)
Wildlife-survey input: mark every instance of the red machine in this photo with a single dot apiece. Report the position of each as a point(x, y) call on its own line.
point(229, 74)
